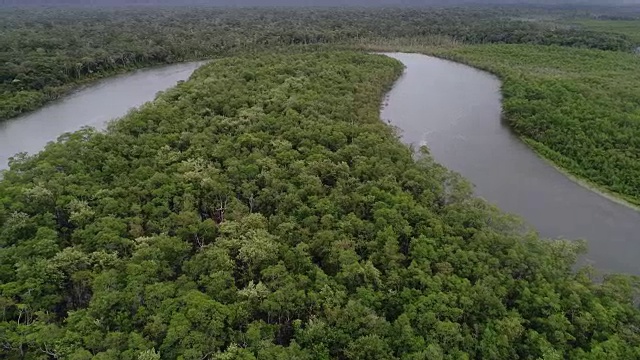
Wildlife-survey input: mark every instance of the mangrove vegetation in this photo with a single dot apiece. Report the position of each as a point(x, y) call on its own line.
point(261, 209)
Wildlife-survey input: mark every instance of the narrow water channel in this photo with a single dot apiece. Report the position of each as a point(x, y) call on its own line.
point(92, 106)
point(456, 111)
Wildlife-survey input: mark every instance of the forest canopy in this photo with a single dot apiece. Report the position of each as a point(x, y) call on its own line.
point(261, 209)
point(46, 52)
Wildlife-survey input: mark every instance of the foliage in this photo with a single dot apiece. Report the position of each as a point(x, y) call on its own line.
point(45, 52)
point(629, 28)
point(262, 210)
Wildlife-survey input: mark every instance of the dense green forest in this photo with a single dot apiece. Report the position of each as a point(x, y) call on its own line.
point(627, 27)
point(44, 53)
point(262, 210)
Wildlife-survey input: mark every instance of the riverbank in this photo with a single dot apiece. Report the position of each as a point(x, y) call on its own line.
point(92, 105)
point(511, 175)
point(40, 99)
point(528, 109)
point(456, 110)
point(558, 160)
point(544, 151)
point(585, 183)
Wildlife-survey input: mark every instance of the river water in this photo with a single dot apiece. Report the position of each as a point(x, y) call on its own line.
point(456, 111)
point(452, 108)
point(92, 106)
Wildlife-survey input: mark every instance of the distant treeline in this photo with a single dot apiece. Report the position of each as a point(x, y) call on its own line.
point(308, 2)
point(44, 52)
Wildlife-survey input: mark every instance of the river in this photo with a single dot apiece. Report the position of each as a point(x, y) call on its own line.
point(456, 111)
point(92, 105)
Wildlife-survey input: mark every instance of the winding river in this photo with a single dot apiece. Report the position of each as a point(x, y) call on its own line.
point(92, 106)
point(452, 108)
point(456, 111)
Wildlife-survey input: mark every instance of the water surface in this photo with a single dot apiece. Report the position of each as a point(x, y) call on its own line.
point(92, 106)
point(456, 111)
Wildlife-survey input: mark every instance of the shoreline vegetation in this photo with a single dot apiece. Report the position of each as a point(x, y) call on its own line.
point(581, 114)
point(585, 183)
point(70, 88)
point(538, 148)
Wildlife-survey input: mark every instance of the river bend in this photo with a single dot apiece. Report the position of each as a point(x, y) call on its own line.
point(92, 105)
point(456, 111)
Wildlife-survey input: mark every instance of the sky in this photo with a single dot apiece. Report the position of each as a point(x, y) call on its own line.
point(305, 2)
